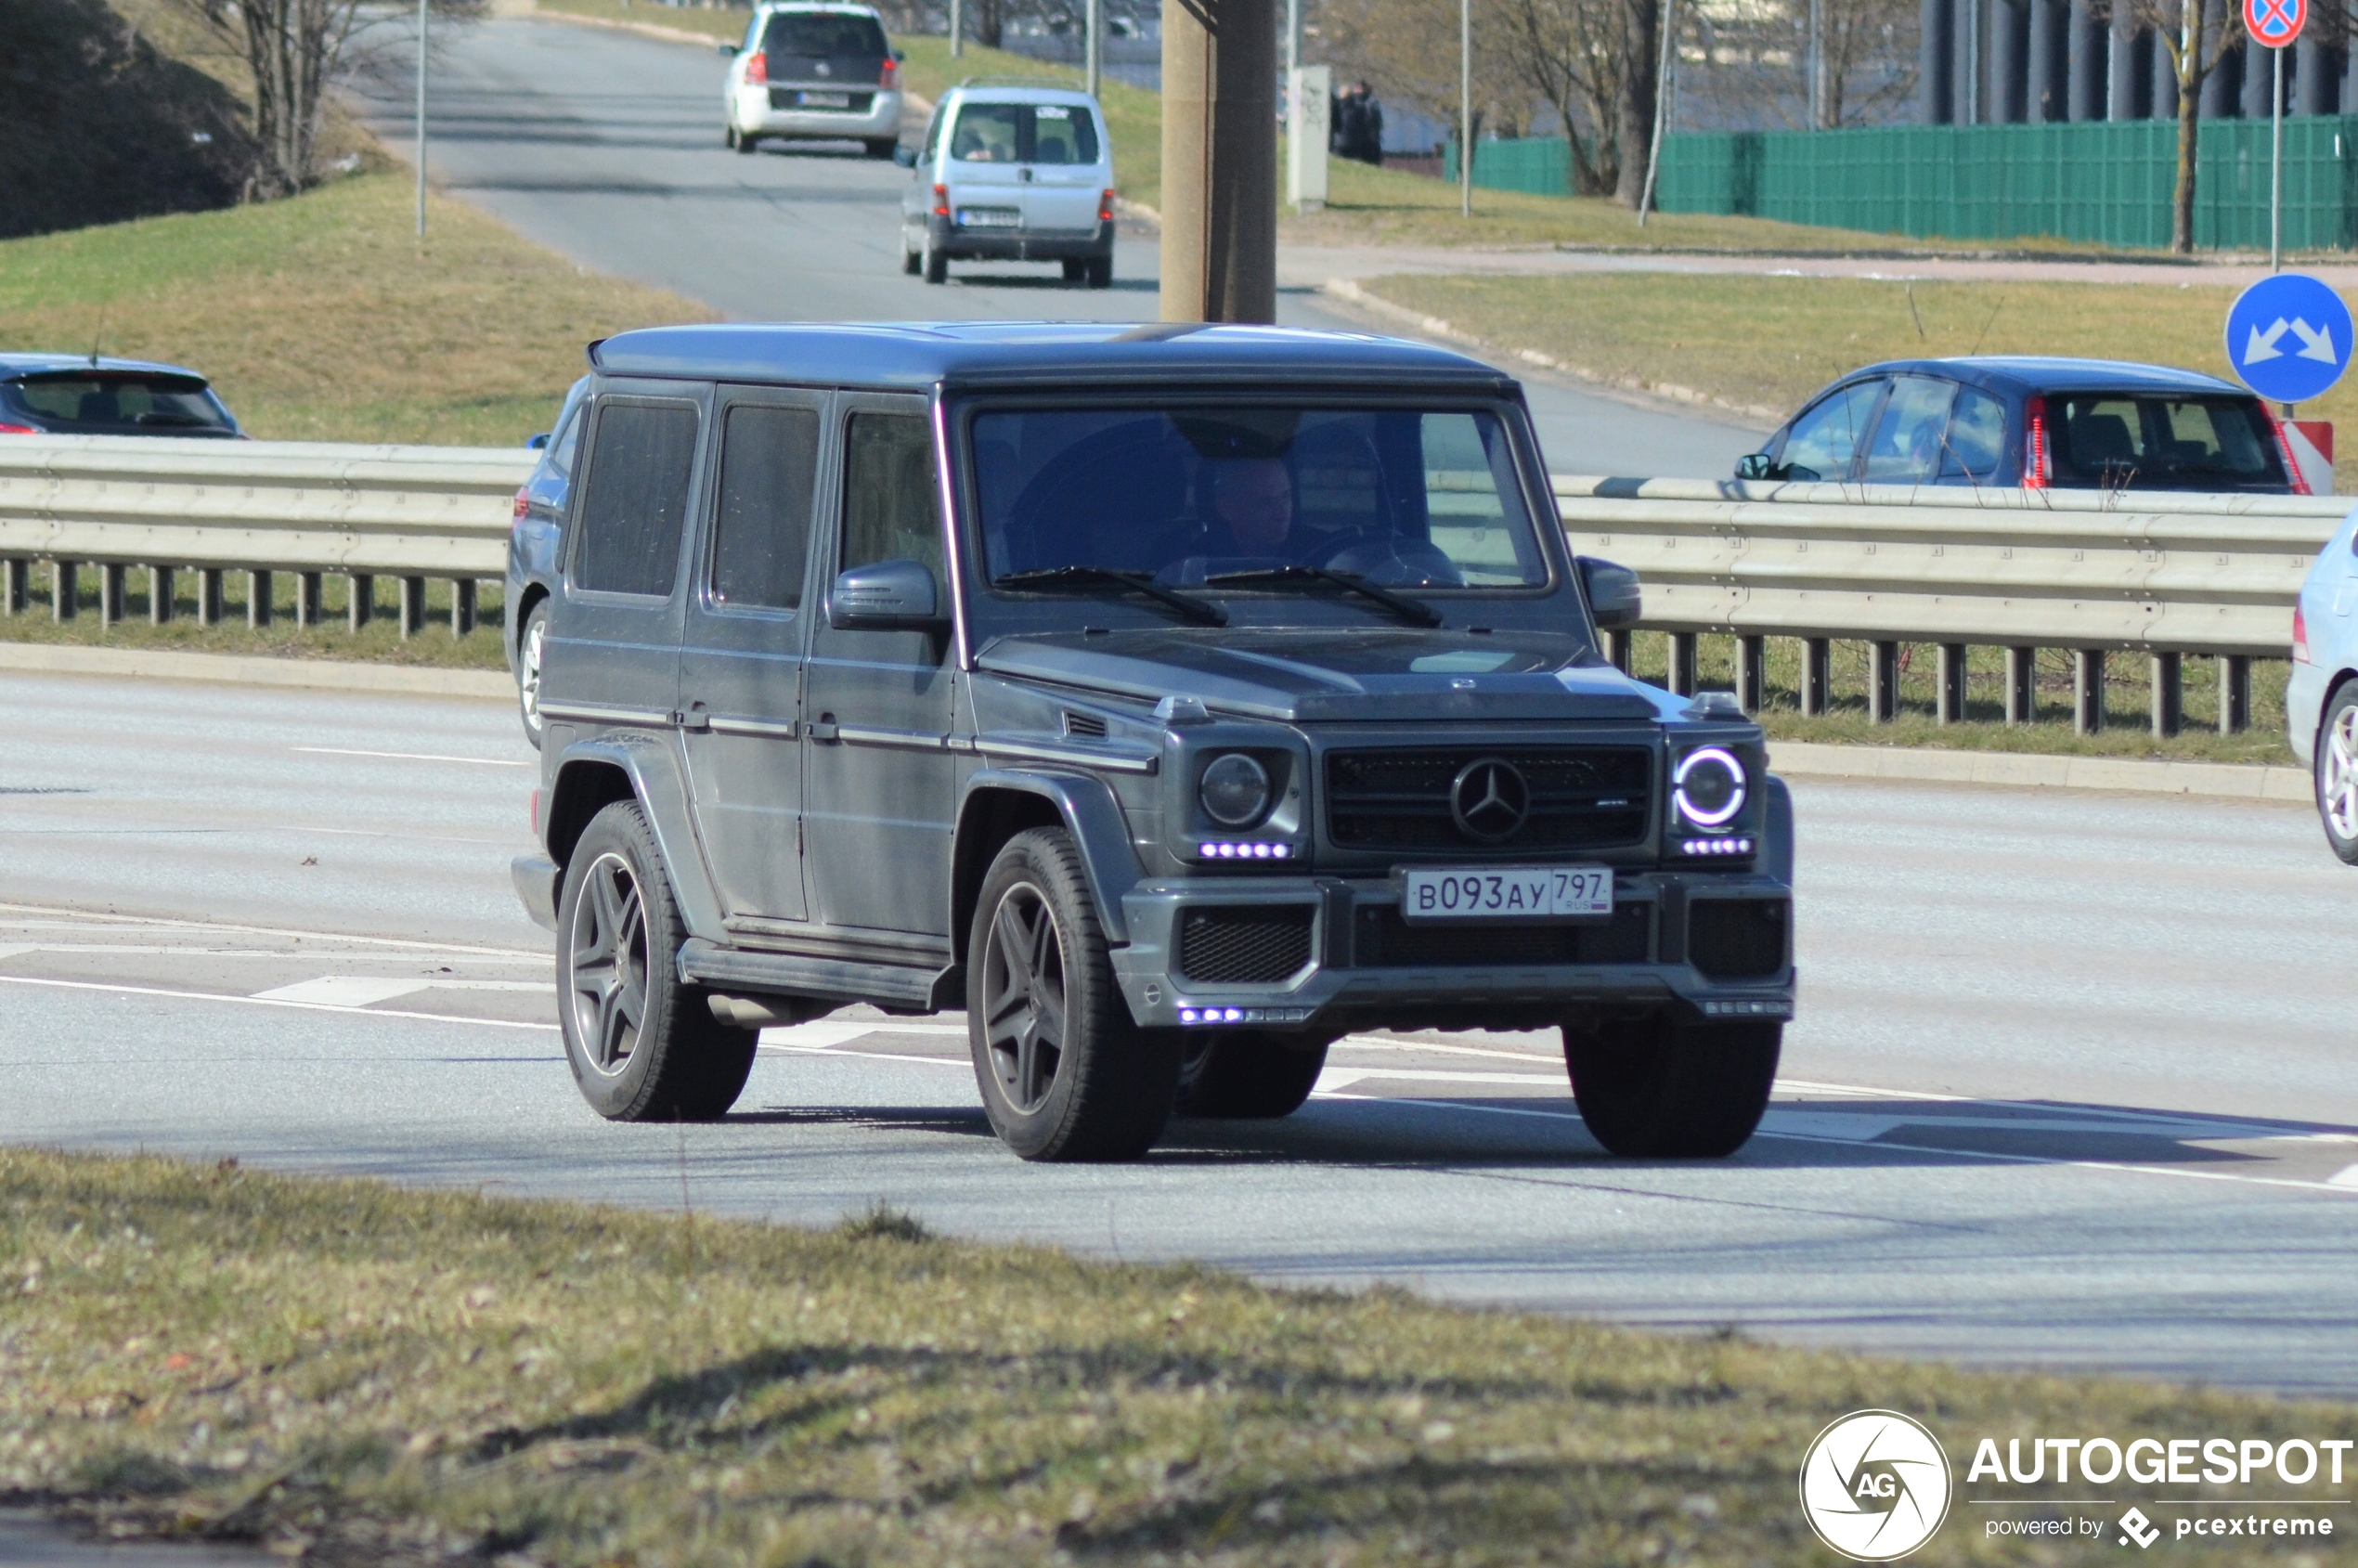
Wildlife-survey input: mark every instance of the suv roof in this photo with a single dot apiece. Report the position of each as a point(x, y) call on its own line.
point(914, 355)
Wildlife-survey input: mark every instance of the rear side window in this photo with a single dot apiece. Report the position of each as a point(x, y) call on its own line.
point(1020, 132)
point(769, 458)
point(568, 445)
point(115, 402)
point(822, 35)
point(636, 498)
point(2114, 439)
point(891, 493)
point(1829, 433)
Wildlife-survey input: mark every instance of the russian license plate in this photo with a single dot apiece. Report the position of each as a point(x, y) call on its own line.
point(826, 100)
point(990, 217)
point(1556, 892)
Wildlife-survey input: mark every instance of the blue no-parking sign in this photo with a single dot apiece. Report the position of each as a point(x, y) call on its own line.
point(2275, 23)
point(2289, 337)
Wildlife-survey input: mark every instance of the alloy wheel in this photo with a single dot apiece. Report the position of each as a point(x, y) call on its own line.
point(608, 993)
point(528, 672)
point(2337, 785)
point(1023, 990)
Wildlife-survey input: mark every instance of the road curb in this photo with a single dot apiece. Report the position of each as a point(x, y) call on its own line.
point(233, 669)
point(2218, 781)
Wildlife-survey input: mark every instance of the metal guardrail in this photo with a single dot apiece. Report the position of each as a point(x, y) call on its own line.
point(306, 507)
point(2164, 575)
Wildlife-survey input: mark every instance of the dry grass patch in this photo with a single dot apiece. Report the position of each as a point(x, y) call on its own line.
point(356, 1373)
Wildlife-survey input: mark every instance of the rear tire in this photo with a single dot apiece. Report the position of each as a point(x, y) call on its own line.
point(1246, 1075)
point(2335, 770)
point(1101, 272)
point(1066, 1073)
point(1655, 1089)
point(936, 266)
point(642, 1046)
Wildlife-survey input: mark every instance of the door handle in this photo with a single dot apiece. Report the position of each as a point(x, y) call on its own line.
point(824, 730)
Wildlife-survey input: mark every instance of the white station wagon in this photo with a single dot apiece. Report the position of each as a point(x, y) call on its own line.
point(814, 73)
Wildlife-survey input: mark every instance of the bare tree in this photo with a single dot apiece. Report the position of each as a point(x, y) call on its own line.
point(2197, 34)
point(1574, 55)
point(1869, 57)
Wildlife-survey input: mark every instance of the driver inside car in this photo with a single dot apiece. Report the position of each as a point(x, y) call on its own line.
point(1253, 497)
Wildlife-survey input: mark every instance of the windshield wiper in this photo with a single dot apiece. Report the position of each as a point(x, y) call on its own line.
point(1135, 582)
point(1414, 612)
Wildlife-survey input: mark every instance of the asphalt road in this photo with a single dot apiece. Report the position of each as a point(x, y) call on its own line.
point(605, 146)
point(2071, 1083)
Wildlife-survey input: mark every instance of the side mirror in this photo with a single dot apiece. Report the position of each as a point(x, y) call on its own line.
point(904, 155)
point(900, 57)
point(538, 443)
point(1614, 596)
point(1756, 465)
point(728, 51)
point(887, 596)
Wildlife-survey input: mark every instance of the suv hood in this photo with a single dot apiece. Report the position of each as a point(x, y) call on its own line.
point(1323, 675)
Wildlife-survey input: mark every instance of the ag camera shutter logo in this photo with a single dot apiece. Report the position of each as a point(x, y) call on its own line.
point(1875, 1486)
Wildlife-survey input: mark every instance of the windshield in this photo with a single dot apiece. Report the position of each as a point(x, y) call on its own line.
point(99, 400)
point(1394, 496)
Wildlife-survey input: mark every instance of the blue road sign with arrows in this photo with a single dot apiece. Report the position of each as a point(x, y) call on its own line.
point(2289, 337)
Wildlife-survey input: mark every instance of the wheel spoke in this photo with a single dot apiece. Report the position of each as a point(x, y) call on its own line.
point(1027, 1087)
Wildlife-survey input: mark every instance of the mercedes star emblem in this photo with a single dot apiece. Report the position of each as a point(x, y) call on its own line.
point(1490, 799)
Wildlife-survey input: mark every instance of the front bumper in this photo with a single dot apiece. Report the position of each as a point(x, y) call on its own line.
point(1642, 959)
point(1004, 244)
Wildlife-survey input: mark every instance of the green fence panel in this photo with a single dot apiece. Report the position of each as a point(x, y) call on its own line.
point(1539, 165)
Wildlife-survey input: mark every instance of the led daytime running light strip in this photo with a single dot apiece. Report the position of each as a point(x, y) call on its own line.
point(1234, 850)
point(1716, 846)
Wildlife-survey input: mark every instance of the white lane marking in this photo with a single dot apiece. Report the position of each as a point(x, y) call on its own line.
point(343, 990)
point(411, 757)
point(1368, 1042)
point(90, 921)
point(1442, 1075)
point(2345, 1177)
point(960, 1062)
point(14, 949)
point(266, 1002)
point(315, 952)
point(825, 1034)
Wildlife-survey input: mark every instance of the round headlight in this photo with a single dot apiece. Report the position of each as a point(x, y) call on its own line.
point(1235, 790)
point(1708, 786)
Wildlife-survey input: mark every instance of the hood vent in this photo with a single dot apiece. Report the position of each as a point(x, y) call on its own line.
point(1084, 726)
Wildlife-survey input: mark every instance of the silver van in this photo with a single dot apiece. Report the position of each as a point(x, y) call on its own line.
point(1011, 171)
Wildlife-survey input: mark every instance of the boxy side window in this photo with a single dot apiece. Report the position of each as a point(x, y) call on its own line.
point(769, 458)
point(642, 460)
point(892, 494)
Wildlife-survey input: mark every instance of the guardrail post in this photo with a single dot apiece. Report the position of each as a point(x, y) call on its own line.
point(462, 606)
point(208, 596)
point(159, 595)
point(2022, 685)
point(258, 599)
point(2234, 693)
point(1952, 683)
point(1882, 686)
point(364, 600)
point(1752, 673)
point(65, 590)
point(1682, 664)
point(1817, 676)
point(413, 606)
point(2170, 696)
point(2087, 690)
point(110, 594)
point(20, 584)
point(307, 598)
point(1618, 650)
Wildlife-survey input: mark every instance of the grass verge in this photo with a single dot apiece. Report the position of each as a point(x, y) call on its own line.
point(352, 1373)
point(322, 318)
point(379, 642)
point(2127, 703)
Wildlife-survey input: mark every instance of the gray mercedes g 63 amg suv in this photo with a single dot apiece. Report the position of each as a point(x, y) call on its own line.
point(1173, 699)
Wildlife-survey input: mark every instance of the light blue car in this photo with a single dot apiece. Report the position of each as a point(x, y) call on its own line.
point(2321, 700)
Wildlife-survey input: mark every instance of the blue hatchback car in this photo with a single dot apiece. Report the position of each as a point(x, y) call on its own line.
point(532, 552)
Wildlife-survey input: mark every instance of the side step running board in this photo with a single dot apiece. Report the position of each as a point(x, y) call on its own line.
point(703, 962)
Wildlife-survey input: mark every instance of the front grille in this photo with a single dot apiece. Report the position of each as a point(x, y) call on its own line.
point(1737, 939)
point(791, 97)
point(1582, 797)
point(1243, 945)
point(1383, 940)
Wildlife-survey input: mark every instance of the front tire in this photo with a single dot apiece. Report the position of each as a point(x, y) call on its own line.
point(643, 1046)
point(1065, 1073)
point(1653, 1088)
point(531, 649)
point(1246, 1075)
point(2335, 770)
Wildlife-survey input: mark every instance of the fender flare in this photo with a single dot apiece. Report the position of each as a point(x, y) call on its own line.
point(1090, 813)
point(653, 766)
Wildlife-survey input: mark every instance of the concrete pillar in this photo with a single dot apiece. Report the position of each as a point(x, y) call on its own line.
point(2121, 62)
point(1817, 676)
point(110, 594)
point(2234, 694)
point(1970, 69)
point(19, 585)
point(65, 590)
point(2259, 80)
point(307, 598)
point(2350, 70)
point(258, 605)
point(2086, 59)
point(1682, 663)
point(1936, 62)
point(1883, 683)
point(2087, 690)
point(1752, 673)
point(208, 596)
point(1952, 683)
point(2313, 79)
point(1618, 650)
point(2169, 695)
point(1220, 161)
point(2022, 685)
point(2009, 67)
point(2162, 102)
point(2045, 80)
point(413, 606)
point(462, 606)
point(159, 595)
point(2223, 89)
point(363, 607)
